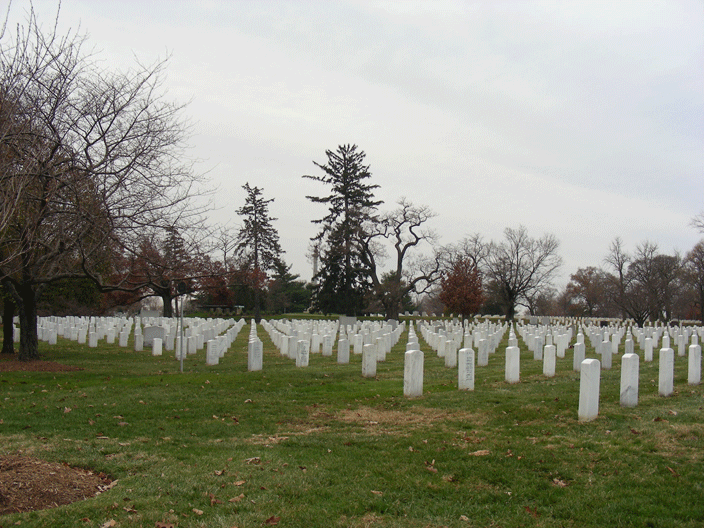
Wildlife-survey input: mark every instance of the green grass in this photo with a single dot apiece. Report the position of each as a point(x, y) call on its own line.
point(322, 446)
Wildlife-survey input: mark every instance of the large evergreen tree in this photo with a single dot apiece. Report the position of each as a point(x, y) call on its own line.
point(287, 294)
point(257, 241)
point(343, 278)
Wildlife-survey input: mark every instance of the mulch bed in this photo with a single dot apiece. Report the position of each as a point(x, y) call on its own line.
point(28, 484)
point(11, 364)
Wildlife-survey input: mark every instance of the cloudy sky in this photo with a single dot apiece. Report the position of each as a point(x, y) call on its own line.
point(584, 119)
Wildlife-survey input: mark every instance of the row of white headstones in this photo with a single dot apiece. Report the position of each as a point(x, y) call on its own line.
point(298, 339)
point(446, 340)
point(157, 334)
point(539, 340)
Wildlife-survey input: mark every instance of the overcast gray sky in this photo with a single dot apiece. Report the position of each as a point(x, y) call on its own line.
point(584, 119)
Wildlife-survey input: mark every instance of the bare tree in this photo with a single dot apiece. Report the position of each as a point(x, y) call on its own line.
point(225, 242)
point(694, 263)
point(646, 284)
point(520, 266)
point(471, 248)
point(698, 222)
point(624, 292)
point(98, 157)
point(659, 276)
point(405, 229)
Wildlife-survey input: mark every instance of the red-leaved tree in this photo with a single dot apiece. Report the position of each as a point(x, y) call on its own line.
point(461, 288)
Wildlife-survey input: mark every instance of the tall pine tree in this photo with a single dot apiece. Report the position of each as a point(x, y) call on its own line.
point(343, 279)
point(257, 241)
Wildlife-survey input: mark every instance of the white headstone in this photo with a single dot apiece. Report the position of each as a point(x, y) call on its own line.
point(549, 355)
point(255, 355)
point(358, 343)
point(483, 353)
point(413, 374)
point(538, 348)
point(327, 345)
point(629, 379)
point(606, 355)
point(192, 342)
point(380, 349)
point(628, 346)
point(666, 378)
point(450, 354)
point(465, 371)
point(589, 379)
point(694, 372)
point(302, 353)
point(212, 356)
point(343, 351)
point(513, 364)
point(369, 360)
point(156, 346)
point(681, 345)
point(648, 351)
point(579, 351)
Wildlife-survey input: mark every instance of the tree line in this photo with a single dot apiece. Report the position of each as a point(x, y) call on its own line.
point(98, 213)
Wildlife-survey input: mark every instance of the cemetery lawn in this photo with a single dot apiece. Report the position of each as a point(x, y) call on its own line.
point(321, 446)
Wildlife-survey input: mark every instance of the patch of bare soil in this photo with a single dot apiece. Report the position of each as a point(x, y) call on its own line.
point(11, 364)
point(373, 420)
point(371, 417)
point(28, 484)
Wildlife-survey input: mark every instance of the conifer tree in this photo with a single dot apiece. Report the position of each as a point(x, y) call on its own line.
point(257, 241)
point(343, 278)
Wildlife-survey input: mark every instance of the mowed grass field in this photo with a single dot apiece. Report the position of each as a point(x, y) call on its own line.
point(221, 447)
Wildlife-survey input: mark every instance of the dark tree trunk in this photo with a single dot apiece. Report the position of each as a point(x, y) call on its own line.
point(8, 313)
point(510, 299)
point(257, 307)
point(510, 312)
point(393, 308)
point(27, 307)
point(167, 299)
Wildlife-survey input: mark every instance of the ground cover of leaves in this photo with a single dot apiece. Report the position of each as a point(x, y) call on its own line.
point(27, 483)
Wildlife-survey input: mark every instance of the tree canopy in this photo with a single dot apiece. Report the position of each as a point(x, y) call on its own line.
point(258, 241)
point(343, 279)
point(90, 158)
